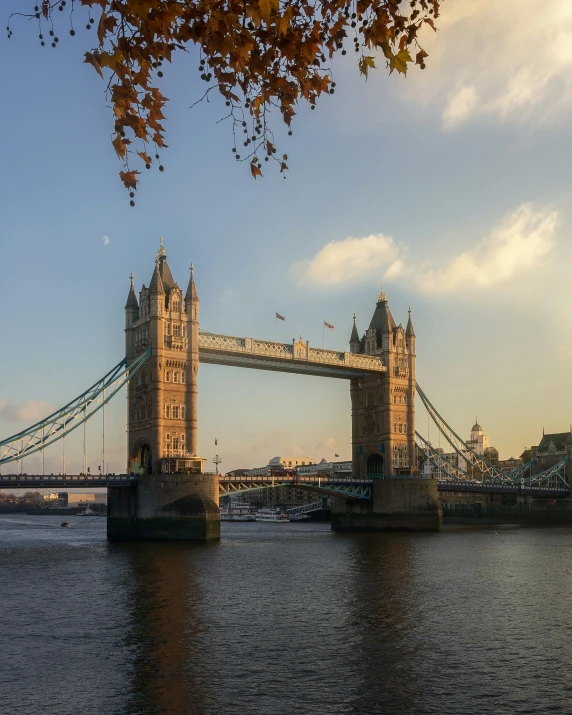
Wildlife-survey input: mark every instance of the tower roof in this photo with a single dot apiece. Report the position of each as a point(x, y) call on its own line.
point(191, 293)
point(382, 320)
point(409, 330)
point(132, 303)
point(354, 338)
point(476, 427)
point(164, 270)
point(156, 285)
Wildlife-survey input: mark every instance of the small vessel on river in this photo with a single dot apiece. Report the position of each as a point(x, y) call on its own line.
point(276, 516)
point(237, 511)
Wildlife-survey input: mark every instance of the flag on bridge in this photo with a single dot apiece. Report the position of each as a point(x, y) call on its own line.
point(328, 325)
point(280, 317)
point(336, 455)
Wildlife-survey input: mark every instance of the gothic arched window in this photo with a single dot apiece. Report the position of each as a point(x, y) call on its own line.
point(176, 306)
point(168, 411)
point(175, 412)
point(182, 413)
point(176, 376)
point(167, 376)
point(183, 378)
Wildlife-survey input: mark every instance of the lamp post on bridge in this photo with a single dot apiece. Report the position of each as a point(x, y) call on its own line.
point(217, 460)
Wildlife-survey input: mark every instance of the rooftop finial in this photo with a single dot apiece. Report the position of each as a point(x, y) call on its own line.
point(409, 311)
point(192, 270)
point(354, 318)
point(132, 279)
point(381, 297)
point(161, 253)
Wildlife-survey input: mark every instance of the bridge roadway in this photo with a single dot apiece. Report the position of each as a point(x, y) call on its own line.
point(345, 486)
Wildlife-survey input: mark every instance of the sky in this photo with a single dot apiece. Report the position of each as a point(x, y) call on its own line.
point(451, 187)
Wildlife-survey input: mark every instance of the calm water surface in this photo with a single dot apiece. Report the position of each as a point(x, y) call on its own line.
point(284, 619)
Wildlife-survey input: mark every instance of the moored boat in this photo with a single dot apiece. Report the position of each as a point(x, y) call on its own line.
point(237, 511)
point(269, 514)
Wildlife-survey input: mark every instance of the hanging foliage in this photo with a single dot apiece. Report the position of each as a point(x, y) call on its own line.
point(262, 56)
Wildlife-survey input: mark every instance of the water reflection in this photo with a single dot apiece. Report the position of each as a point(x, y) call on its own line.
point(385, 619)
point(166, 635)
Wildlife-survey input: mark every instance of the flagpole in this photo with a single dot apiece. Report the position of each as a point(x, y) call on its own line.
point(274, 328)
point(323, 335)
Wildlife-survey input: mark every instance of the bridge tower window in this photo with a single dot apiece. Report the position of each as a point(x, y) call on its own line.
point(168, 411)
point(175, 444)
point(183, 378)
point(175, 412)
point(176, 376)
point(176, 306)
point(182, 413)
point(167, 376)
point(177, 330)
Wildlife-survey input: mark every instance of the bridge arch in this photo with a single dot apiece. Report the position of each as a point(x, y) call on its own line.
point(140, 461)
point(374, 465)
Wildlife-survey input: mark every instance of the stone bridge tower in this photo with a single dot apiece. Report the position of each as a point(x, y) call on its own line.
point(162, 398)
point(383, 407)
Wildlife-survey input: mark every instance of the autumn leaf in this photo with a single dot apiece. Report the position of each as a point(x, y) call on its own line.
point(420, 57)
point(129, 179)
point(265, 9)
point(119, 146)
point(365, 63)
point(255, 170)
point(92, 60)
point(400, 61)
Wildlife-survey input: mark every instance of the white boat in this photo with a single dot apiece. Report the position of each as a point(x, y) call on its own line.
point(299, 517)
point(277, 516)
point(237, 511)
point(87, 512)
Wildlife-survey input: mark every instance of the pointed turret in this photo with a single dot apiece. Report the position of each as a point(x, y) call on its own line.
point(409, 331)
point(156, 285)
point(132, 303)
point(192, 294)
point(355, 342)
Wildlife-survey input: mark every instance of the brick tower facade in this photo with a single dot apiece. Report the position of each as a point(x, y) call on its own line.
point(162, 398)
point(383, 407)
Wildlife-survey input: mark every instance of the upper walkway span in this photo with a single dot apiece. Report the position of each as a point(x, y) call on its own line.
point(297, 357)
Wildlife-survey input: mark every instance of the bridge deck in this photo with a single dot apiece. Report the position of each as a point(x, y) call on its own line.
point(297, 357)
point(65, 481)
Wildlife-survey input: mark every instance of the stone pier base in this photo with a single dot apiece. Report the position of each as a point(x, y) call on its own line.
point(165, 507)
point(400, 504)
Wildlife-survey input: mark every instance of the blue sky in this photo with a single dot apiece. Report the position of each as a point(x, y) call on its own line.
point(454, 184)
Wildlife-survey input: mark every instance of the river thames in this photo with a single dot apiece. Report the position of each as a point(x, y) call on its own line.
point(284, 618)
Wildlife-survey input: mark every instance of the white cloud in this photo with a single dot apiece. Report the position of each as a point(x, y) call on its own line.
point(349, 260)
point(510, 60)
point(512, 248)
point(31, 411)
point(228, 296)
point(105, 240)
point(327, 444)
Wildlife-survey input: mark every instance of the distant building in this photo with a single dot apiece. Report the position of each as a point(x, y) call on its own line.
point(479, 444)
point(553, 448)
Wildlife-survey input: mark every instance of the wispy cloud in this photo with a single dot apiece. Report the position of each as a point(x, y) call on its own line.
point(509, 60)
point(349, 260)
point(31, 411)
point(513, 247)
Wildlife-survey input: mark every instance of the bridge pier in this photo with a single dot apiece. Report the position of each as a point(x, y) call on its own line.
point(165, 507)
point(397, 504)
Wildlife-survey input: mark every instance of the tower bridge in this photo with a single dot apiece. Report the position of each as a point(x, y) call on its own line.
point(165, 492)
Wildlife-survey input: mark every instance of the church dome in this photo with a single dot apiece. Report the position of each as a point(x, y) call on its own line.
point(477, 427)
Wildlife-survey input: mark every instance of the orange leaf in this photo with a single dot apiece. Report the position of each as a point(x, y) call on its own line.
point(92, 60)
point(119, 146)
point(254, 170)
point(129, 179)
